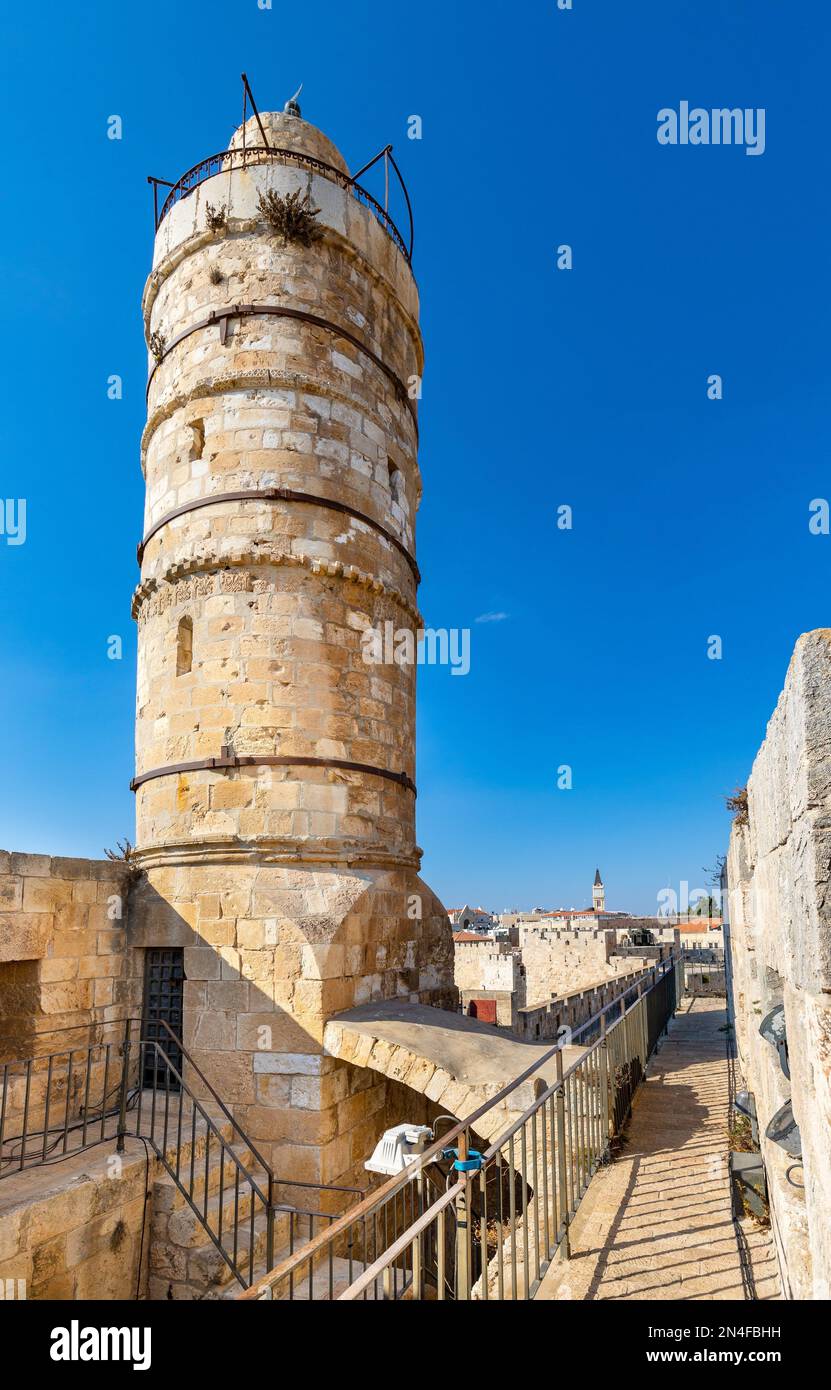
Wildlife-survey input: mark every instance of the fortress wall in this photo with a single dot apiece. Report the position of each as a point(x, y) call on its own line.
point(779, 871)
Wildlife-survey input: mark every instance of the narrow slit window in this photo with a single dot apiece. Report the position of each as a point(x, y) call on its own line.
point(197, 439)
point(184, 646)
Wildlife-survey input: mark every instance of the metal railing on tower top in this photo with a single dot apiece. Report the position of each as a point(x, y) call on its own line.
point(241, 158)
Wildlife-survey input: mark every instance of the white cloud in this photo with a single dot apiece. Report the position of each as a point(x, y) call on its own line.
point(492, 617)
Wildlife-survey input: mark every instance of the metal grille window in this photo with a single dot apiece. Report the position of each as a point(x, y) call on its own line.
point(164, 973)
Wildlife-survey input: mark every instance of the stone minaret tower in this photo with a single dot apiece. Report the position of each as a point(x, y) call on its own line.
point(275, 801)
point(598, 893)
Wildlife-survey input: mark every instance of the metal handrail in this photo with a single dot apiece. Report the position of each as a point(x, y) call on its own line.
point(226, 160)
point(59, 1117)
point(223, 1107)
point(529, 1183)
point(575, 1066)
point(374, 1202)
point(210, 1124)
point(118, 1026)
point(225, 1152)
point(399, 1247)
point(38, 1143)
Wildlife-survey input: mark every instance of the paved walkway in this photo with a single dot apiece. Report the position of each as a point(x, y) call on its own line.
point(657, 1223)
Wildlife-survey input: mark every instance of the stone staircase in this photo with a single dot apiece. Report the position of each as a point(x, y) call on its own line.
point(185, 1264)
point(203, 1226)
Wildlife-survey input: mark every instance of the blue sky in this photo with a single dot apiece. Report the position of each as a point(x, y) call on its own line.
point(542, 388)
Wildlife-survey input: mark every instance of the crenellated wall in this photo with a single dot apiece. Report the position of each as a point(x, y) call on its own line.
point(557, 962)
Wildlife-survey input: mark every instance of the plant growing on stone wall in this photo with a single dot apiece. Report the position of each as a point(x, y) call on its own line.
point(122, 853)
point(738, 806)
point(215, 275)
point(291, 217)
point(119, 1235)
point(740, 1135)
point(157, 346)
point(215, 217)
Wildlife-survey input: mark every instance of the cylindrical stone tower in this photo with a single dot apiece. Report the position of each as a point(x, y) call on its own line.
point(274, 764)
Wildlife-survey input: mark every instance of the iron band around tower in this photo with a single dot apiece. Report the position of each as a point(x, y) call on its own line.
point(241, 311)
point(278, 494)
point(230, 760)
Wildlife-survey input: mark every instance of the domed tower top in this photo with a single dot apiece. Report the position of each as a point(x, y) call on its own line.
point(285, 130)
point(279, 153)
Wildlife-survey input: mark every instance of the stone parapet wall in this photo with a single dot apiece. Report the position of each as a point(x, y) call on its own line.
point(705, 981)
point(542, 1021)
point(779, 869)
point(65, 983)
point(485, 965)
point(559, 961)
point(73, 1231)
point(64, 921)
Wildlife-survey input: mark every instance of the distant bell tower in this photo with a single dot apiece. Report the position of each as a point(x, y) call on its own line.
point(598, 893)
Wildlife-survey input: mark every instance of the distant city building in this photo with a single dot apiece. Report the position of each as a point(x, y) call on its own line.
point(509, 968)
point(567, 917)
point(702, 934)
point(468, 918)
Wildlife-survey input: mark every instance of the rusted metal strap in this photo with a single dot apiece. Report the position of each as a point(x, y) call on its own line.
point(226, 760)
point(278, 494)
point(247, 88)
point(280, 311)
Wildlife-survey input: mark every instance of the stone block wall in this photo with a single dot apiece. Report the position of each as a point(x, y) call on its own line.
point(559, 961)
point(483, 968)
point(70, 916)
point(270, 953)
point(779, 872)
point(74, 1230)
point(570, 1010)
point(705, 981)
point(65, 978)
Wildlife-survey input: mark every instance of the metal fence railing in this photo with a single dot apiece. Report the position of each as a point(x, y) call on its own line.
point(56, 1104)
point(461, 1223)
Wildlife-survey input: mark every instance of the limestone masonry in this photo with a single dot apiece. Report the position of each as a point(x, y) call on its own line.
point(271, 917)
point(293, 889)
point(778, 873)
